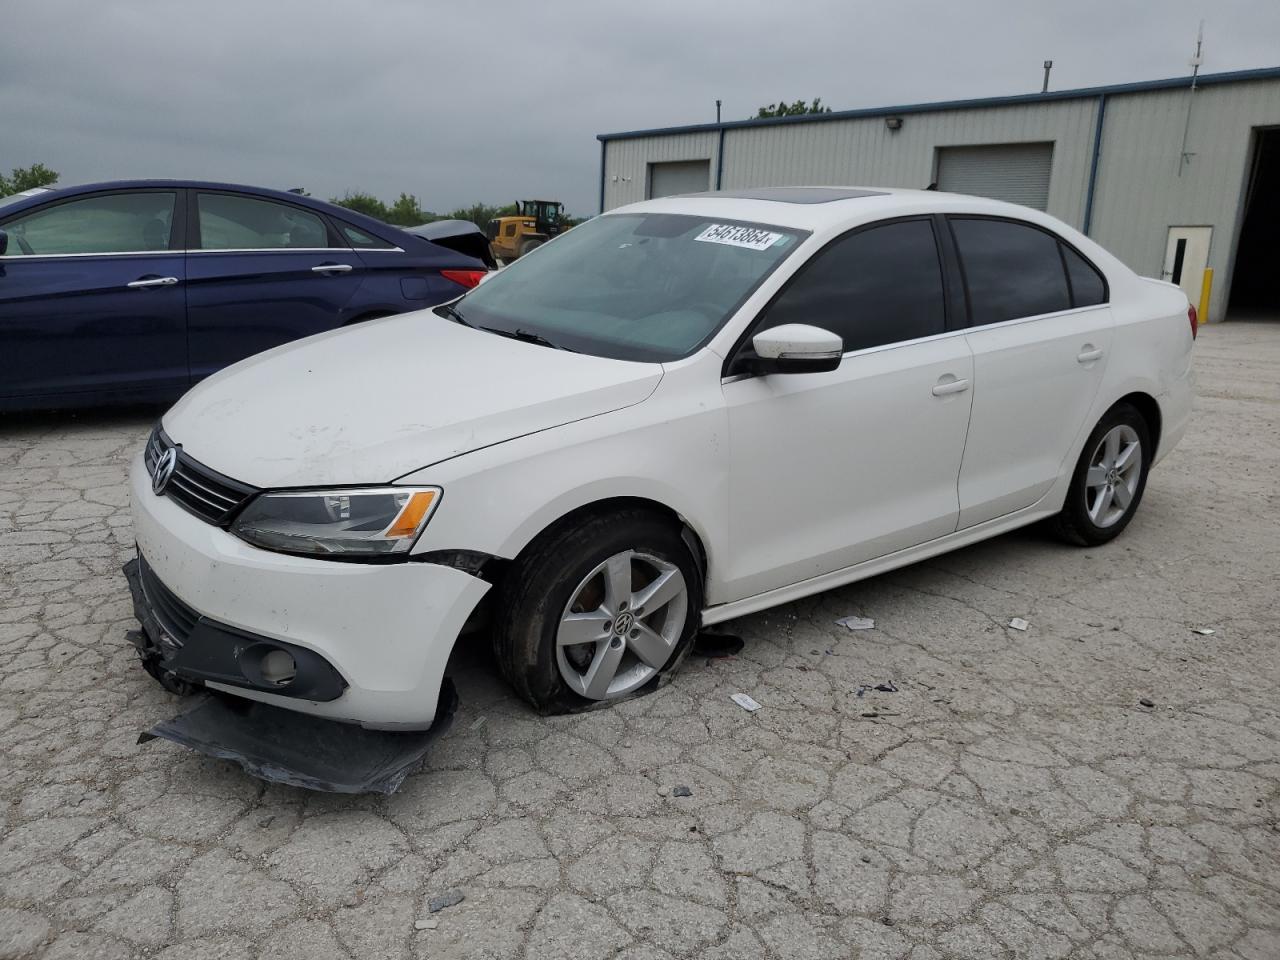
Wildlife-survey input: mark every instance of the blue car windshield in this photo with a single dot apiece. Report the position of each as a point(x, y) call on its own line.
point(632, 286)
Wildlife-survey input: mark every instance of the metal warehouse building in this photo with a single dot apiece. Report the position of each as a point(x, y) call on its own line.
point(1172, 176)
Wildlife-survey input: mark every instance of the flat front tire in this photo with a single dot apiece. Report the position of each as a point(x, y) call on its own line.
point(1109, 479)
point(598, 611)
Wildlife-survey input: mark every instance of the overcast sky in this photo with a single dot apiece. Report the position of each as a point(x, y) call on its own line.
point(490, 101)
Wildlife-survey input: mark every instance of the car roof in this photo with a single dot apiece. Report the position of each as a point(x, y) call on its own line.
point(314, 203)
point(817, 208)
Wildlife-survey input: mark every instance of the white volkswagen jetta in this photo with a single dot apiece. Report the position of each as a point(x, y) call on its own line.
point(681, 412)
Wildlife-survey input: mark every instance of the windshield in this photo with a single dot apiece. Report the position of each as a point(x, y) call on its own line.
point(634, 286)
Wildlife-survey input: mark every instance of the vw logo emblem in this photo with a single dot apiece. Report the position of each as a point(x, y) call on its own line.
point(623, 624)
point(164, 470)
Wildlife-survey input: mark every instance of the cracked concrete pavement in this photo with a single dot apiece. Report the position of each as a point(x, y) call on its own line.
point(1012, 799)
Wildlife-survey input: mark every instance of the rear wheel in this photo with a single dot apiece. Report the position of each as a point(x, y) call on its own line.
point(598, 611)
point(531, 244)
point(1109, 479)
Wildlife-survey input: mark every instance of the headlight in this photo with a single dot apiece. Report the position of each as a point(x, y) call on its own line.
point(374, 522)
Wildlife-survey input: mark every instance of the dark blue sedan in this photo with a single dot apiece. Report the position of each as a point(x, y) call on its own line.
point(133, 291)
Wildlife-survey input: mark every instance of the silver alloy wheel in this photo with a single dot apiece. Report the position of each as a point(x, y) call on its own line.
point(1115, 469)
point(621, 624)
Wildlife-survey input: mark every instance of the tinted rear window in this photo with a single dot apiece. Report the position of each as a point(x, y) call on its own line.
point(1012, 270)
point(1087, 286)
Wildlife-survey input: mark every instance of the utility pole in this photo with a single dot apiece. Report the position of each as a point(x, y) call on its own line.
point(1048, 65)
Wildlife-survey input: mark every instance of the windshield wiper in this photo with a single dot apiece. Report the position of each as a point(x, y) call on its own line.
point(453, 314)
point(526, 336)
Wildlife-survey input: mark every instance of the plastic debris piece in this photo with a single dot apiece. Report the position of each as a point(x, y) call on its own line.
point(886, 687)
point(1204, 631)
point(479, 722)
point(857, 623)
point(1017, 623)
point(450, 898)
point(300, 750)
point(1146, 702)
point(681, 791)
point(745, 702)
point(429, 923)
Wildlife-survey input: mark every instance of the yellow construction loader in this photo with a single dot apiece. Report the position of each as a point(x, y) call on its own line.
point(535, 222)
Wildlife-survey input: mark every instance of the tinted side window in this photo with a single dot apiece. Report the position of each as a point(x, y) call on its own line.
point(873, 287)
point(365, 241)
point(1087, 285)
point(111, 223)
point(1012, 270)
point(230, 222)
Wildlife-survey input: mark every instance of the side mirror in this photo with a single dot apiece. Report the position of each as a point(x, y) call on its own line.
point(4, 243)
point(794, 348)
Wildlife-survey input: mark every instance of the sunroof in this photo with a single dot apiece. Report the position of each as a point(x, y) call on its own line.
point(792, 194)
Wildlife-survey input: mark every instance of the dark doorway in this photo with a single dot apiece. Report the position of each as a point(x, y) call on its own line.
point(1255, 285)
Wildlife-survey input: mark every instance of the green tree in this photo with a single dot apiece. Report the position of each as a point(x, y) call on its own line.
point(481, 213)
point(405, 212)
point(784, 109)
point(365, 203)
point(27, 178)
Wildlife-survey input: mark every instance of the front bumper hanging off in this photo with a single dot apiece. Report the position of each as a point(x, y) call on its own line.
point(183, 649)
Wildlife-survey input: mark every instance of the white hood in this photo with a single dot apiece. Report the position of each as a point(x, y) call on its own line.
point(370, 403)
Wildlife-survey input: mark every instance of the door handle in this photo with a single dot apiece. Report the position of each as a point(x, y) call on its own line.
point(152, 282)
point(946, 387)
point(327, 268)
point(1089, 354)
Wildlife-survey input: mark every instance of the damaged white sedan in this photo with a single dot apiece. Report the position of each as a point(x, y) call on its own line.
point(683, 411)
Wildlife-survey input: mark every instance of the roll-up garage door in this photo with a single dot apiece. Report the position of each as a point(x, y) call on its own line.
point(1016, 172)
point(685, 176)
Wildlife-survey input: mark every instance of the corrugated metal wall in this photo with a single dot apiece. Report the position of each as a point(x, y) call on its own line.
point(627, 162)
point(865, 152)
point(1139, 192)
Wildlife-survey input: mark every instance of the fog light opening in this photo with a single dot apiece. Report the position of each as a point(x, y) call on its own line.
point(277, 668)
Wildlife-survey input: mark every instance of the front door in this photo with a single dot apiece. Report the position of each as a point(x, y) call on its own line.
point(92, 299)
point(1040, 334)
point(261, 273)
point(1186, 255)
point(831, 469)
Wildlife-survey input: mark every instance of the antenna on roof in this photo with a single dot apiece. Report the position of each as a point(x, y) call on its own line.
point(1184, 157)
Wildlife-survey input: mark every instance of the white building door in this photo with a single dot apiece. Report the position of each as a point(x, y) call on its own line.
point(1185, 257)
point(684, 176)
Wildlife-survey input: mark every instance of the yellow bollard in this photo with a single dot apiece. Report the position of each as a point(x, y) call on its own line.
point(1205, 289)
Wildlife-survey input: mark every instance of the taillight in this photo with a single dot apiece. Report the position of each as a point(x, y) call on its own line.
point(1191, 316)
point(465, 278)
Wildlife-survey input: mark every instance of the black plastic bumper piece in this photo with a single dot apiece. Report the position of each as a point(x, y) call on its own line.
point(282, 746)
point(177, 642)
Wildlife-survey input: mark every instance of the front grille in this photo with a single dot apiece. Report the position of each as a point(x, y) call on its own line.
point(174, 616)
point(196, 488)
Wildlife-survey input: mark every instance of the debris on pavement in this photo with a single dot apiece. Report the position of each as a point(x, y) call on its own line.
point(450, 898)
point(283, 746)
point(717, 646)
point(430, 923)
point(857, 623)
point(1147, 702)
point(1017, 623)
point(681, 791)
point(663, 791)
point(886, 687)
point(1204, 631)
point(479, 722)
point(745, 702)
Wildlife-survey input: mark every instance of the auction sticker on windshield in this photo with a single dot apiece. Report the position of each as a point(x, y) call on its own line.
point(753, 238)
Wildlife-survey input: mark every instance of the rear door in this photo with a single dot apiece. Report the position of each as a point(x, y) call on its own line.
point(92, 298)
point(261, 272)
point(1040, 331)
